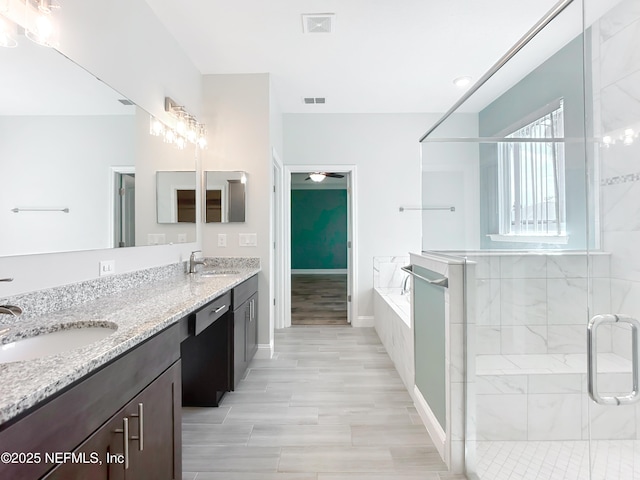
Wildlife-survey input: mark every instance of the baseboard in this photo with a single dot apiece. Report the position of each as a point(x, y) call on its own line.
point(265, 351)
point(430, 422)
point(363, 321)
point(321, 271)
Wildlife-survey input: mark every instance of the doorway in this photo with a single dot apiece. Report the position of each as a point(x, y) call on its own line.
point(319, 246)
point(123, 201)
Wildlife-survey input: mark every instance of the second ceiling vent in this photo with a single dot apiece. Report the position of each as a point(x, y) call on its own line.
point(318, 22)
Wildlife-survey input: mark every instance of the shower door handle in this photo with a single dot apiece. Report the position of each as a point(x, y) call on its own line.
point(592, 360)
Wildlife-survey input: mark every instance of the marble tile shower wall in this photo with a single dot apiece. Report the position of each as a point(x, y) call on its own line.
point(616, 67)
point(538, 303)
point(387, 273)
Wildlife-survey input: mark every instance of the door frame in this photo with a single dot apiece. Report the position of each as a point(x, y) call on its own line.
point(114, 173)
point(352, 223)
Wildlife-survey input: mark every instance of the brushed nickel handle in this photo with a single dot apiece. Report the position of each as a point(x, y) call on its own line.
point(140, 436)
point(219, 308)
point(6, 279)
point(592, 360)
point(125, 434)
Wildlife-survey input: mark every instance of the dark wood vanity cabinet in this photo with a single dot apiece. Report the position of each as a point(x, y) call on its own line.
point(245, 326)
point(206, 366)
point(219, 341)
point(85, 423)
point(127, 447)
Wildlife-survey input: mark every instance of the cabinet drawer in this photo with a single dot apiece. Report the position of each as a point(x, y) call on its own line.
point(209, 314)
point(242, 292)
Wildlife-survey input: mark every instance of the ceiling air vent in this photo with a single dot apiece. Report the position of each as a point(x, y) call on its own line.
point(318, 22)
point(125, 101)
point(313, 100)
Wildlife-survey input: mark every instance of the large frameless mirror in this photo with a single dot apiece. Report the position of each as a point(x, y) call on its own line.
point(77, 160)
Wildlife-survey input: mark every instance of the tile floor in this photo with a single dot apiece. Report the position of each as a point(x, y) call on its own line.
point(559, 460)
point(329, 406)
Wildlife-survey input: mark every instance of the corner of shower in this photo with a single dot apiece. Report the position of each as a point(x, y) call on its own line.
point(541, 166)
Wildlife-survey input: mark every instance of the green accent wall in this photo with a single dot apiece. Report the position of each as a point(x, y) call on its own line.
point(318, 229)
point(429, 335)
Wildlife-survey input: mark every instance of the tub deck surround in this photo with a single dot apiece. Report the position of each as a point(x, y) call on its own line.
point(450, 440)
point(140, 305)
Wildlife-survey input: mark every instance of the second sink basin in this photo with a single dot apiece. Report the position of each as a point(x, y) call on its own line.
point(219, 273)
point(52, 343)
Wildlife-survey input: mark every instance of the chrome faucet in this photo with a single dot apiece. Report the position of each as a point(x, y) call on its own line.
point(405, 288)
point(193, 261)
point(10, 310)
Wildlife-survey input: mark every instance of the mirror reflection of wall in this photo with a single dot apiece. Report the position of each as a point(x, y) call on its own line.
point(176, 197)
point(225, 194)
point(65, 151)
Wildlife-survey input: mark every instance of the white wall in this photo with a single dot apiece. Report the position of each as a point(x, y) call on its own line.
point(125, 45)
point(65, 168)
point(237, 113)
point(386, 151)
point(451, 177)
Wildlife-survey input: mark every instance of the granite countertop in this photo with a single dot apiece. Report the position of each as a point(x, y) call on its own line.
point(138, 313)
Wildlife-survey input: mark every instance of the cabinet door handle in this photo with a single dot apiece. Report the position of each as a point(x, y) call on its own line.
point(140, 417)
point(251, 310)
point(219, 308)
point(125, 434)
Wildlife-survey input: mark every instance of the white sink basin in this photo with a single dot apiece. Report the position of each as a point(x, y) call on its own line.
point(52, 343)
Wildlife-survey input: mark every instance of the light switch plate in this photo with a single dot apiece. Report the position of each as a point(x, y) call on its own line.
point(222, 239)
point(248, 239)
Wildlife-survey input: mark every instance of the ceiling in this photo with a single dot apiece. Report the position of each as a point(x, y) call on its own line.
point(383, 56)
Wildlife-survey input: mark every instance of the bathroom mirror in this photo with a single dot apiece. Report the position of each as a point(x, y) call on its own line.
point(80, 158)
point(224, 194)
point(176, 197)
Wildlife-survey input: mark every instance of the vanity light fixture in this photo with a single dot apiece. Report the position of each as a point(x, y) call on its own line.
point(186, 128)
point(8, 31)
point(34, 16)
point(39, 26)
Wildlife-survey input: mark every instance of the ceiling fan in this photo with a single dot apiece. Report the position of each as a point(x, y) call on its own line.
point(320, 176)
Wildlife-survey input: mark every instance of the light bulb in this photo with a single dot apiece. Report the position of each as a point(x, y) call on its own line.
point(317, 177)
point(7, 32)
point(180, 142)
point(169, 135)
point(156, 128)
point(42, 31)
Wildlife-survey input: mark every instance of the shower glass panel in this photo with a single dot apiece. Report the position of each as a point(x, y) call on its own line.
point(542, 165)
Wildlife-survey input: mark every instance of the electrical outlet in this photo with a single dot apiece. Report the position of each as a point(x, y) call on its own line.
point(222, 239)
point(107, 267)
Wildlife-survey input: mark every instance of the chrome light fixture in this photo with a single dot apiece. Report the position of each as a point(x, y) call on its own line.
point(8, 31)
point(39, 25)
point(185, 130)
point(34, 16)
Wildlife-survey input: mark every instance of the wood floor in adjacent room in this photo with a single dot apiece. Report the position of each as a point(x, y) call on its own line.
point(318, 299)
point(329, 406)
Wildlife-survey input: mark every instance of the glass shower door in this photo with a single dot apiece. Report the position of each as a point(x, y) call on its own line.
point(613, 419)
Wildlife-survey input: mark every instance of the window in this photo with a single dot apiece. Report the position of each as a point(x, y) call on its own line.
point(531, 177)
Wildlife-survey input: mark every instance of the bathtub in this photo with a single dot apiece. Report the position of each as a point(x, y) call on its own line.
point(392, 315)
